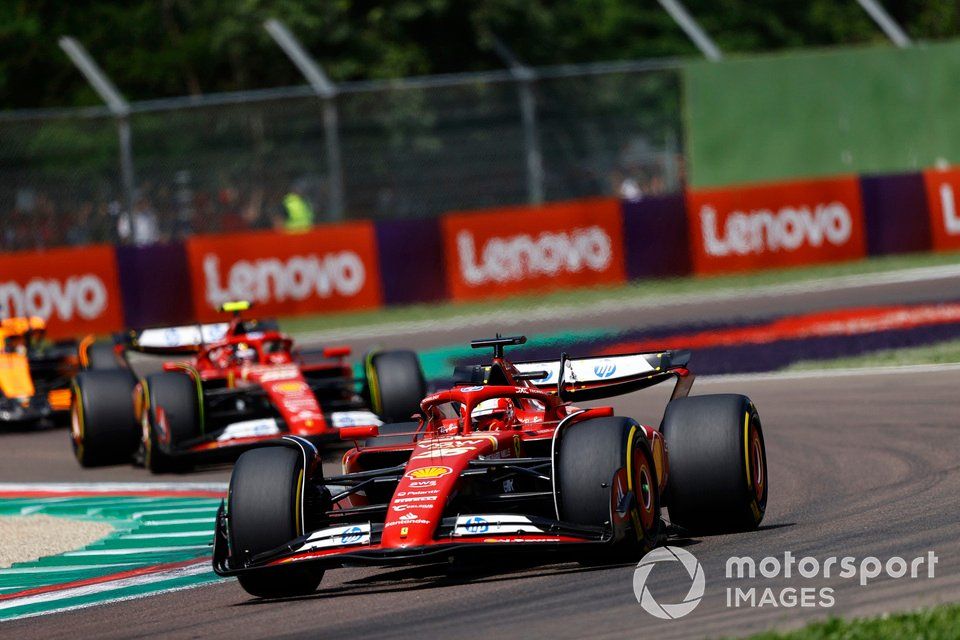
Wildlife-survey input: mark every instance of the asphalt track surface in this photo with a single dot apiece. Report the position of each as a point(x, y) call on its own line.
point(866, 465)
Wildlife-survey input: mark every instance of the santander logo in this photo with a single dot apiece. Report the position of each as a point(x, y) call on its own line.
point(340, 273)
point(524, 256)
point(84, 296)
point(786, 229)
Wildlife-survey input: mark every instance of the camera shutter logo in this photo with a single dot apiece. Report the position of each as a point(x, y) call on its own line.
point(645, 598)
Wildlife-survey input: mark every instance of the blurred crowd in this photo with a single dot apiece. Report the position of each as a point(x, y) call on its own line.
point(37, 220)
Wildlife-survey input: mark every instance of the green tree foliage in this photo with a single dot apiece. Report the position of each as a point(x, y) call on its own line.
point(157, 48)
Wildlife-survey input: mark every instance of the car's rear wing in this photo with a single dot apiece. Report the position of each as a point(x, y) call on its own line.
point(579, 379)
point(175, 340)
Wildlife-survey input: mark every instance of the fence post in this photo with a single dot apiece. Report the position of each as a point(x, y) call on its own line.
point(327, 92)
point(692, 28)
point(126, 160)
point(118, 106)
point(524, 76)
point(889, 26)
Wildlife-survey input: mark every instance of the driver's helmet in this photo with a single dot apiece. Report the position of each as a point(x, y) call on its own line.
point(16, 343)
point(492, 414)
point(244, 354)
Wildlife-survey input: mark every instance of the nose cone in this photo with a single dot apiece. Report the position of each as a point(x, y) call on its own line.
point(430, 480)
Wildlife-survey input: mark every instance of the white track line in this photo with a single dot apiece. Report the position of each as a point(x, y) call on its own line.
point(86, 605)
point(614, 304)
point(134, 550)
point(906, 369)
point(158, 523)
point(113, 585)
point(176, 534)
point(66, 567)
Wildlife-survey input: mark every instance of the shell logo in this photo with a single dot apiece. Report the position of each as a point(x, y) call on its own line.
point(428, 472)
point(290, 387)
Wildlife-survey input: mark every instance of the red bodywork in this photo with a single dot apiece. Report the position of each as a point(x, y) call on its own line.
point(493, 424)
point(262, 363)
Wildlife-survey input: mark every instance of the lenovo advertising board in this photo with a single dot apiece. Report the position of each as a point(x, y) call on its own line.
point(75, 290)
point(943, 197)
point(513, 250)
point(781, 224)
point(329, 268)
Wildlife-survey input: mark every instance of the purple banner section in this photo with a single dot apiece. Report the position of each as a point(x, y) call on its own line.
point(656, 236)
point(155, 283)
point(411, 261)
point(895, 212)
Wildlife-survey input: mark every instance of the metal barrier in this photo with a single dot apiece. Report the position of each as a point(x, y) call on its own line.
point(407, 148)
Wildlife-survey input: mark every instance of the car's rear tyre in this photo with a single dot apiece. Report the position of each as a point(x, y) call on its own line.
point(264, 508)
point(393, 433)
point(173, 396)
point(718, 464)
point(103, 427)
point(599, 460)
point(395, 384)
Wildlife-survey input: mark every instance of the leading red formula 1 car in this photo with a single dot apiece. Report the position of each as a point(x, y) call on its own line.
point(501, 461)
point(230, 386)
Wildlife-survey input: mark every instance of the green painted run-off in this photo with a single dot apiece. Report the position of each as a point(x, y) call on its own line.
point(148, 531)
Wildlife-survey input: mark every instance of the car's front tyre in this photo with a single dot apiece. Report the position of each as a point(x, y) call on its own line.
point(604, 464)
point(264, 507)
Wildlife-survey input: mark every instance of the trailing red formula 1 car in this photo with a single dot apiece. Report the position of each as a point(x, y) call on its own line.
point(501, 461)
point(242, 385)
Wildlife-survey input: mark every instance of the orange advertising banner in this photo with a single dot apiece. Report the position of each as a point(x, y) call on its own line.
point(781, 224)
point(329, 268)
point(75, 290)
point(943, 190)
point(500, 252)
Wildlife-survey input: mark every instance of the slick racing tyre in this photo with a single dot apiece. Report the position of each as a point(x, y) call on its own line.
point(103, 427)
point(100, 356)
point(171, 416)
point(395, 384)
point(264, 506)
point(718, 464)
point(600, 463)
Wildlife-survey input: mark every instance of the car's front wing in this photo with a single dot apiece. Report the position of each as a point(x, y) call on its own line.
point(360, 543)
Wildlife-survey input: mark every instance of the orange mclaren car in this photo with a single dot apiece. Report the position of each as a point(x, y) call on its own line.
point(35, 374)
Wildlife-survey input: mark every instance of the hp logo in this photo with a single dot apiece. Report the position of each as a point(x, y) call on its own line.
point(477, 525)
point(605, 369)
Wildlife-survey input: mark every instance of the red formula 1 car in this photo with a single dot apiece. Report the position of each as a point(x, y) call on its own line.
point(501, 461)
point(243, 384)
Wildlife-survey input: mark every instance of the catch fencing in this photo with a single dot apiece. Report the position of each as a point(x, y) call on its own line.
point(379, 150)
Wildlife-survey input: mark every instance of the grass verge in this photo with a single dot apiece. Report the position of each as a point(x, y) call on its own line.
point(630, 291)
point(936, 623)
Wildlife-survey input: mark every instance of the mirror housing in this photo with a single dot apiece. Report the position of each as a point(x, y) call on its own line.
point(359, 433)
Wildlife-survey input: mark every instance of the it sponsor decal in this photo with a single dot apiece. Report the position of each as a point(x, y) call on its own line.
point(943, 193)
point(776, 225)
point(511, 250)
point(76, 291)
point(332, 267)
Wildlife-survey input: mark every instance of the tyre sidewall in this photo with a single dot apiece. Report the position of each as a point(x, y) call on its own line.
point(598, 458)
